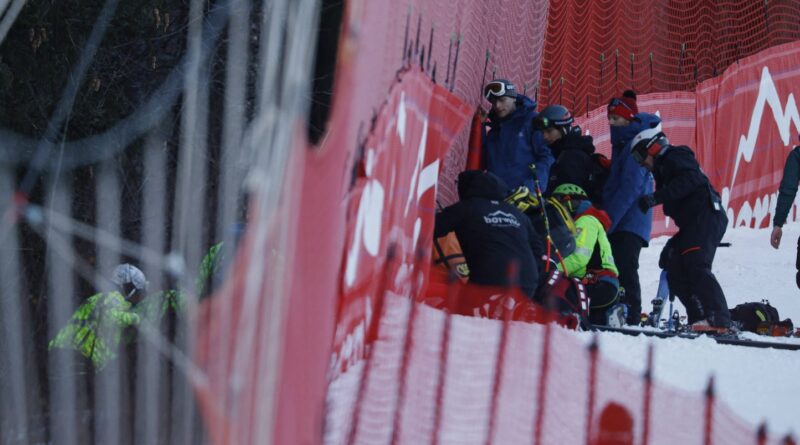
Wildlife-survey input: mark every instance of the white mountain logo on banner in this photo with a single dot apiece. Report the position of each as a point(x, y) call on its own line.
point(500, 218)
point(784, 118)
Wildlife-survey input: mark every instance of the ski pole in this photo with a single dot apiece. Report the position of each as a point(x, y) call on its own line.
point(548, 238)
point(669, 318)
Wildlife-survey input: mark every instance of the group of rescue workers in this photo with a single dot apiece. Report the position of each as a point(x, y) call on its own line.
point(532, 161)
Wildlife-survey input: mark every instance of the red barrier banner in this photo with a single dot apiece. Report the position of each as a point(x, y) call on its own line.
point(741, 126)
point(747, 122)
point(393, 204)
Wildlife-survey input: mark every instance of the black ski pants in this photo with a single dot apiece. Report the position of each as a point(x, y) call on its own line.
point(602, 296)
point(687, 257)
point(626, 247)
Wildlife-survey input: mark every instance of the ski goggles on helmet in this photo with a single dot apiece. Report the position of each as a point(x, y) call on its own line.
point(647, 142)
point(498, 88)
point(620, 108)
point(542, 122)
point(617, 103)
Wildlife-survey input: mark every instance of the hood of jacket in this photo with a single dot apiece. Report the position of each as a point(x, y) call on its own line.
point(481, 184)
point(586, 208)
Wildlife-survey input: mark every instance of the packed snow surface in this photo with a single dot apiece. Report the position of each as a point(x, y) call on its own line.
point(758, 384)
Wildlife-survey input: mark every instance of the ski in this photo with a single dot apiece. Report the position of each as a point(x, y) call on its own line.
point(725, 339)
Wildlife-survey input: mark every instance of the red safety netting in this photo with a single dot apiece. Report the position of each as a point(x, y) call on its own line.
point(451, 393)
point(741, 126)
point(456, 45)
point(430, 377)
point(593, 50)
point(433, 377)
point(460, 45)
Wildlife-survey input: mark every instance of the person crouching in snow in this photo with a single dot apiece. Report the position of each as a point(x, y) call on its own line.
point(690, 200)
point(592, 261)
point(493, 234)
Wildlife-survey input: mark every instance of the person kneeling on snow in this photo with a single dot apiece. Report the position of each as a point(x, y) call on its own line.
point(494, 235)
point(592, 261)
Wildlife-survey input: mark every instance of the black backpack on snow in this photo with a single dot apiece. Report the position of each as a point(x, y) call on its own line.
point(761, 318)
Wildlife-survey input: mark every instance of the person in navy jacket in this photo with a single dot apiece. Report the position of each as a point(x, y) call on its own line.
point(511, 144)
point(692, 202)
point(627, 181)
point(493, 234)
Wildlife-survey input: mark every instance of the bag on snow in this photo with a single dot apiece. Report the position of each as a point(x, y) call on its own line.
point(761, 318)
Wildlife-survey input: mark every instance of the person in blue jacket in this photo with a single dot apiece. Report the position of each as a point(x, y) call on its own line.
point(627, 180)
point(511, 144)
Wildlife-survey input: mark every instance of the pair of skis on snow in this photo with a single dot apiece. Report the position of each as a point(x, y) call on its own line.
point(670, 327)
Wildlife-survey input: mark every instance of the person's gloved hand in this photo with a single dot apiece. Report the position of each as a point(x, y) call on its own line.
point(645, 202)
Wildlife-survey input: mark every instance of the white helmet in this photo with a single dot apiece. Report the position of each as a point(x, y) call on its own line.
point(650, 141)
point(129, 279)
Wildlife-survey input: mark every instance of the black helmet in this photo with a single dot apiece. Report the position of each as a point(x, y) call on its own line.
point(553, 116)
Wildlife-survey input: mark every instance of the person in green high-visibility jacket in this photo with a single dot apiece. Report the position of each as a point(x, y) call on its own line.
point(96, 327)
point(592, 261)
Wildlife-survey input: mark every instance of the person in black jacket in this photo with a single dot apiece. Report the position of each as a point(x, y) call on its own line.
point(786, 193)
point(690, 200)
point(571, 149)
point(494, 235)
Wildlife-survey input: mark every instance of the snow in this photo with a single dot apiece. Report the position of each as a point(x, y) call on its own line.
point(757, 384)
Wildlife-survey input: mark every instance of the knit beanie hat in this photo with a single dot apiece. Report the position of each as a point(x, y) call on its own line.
point(624, 106)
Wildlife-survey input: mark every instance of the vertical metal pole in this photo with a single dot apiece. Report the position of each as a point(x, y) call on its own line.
point(648, 395)
point(708, 430)
point(761, 434)
point(498, 366)
point(592, 388)
point(408, 342)
point(541, 396)
point(452, 293)
point(370, 335)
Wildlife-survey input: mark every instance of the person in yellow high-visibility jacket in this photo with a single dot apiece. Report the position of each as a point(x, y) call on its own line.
point(96, 327)
point(592, 262)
